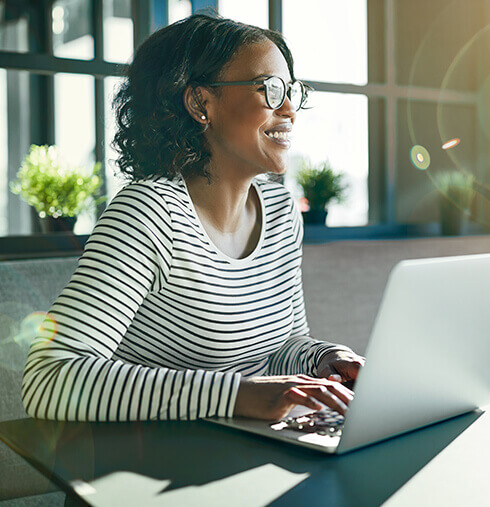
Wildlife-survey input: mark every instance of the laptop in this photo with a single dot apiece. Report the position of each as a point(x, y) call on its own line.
point(427, 360)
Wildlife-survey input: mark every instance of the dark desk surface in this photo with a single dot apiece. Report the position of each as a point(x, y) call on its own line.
point(189, 463)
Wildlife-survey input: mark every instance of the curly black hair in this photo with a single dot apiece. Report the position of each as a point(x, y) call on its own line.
point(155, 135)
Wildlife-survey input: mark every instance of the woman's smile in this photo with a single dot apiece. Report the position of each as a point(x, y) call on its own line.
point(281, 135)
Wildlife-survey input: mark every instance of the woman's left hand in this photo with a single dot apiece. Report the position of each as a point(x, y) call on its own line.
point(341, 365)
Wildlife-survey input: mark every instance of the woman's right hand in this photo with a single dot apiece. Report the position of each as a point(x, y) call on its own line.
point(272, 398)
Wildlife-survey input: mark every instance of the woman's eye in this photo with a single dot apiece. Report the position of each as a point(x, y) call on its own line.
point(261, 88)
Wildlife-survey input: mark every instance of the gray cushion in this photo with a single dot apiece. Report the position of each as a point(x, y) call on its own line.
point(56, 499)
point(26, 287)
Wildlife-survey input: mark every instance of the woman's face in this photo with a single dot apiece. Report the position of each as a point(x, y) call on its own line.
point(239, 116)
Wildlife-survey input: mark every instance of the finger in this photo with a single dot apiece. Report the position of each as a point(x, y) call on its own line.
point(331, 400)
point(298, 397)
point(335, 378)
point(335, 398)
point(337, 404)
point(306, 378)
point(342, 392)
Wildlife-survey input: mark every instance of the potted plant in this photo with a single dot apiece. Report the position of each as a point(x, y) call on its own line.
point(58, 192)
point(320, 186)
point(456, 194)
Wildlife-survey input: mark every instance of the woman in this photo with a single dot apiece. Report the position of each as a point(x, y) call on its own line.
point(187, 301)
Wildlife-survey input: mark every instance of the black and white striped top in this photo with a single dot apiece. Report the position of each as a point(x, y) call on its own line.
point(157, 323)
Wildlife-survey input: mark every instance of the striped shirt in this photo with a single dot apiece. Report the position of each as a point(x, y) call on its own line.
point(158, 323)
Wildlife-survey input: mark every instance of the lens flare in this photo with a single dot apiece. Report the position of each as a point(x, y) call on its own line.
point(420, 157)
point(451, 144)
point(34, 324)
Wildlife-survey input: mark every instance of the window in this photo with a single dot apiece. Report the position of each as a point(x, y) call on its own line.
point(331, 47)
point(178, 9)
point(252, 12)
point(54, 100)
point(388, 74)
point(72, 31)
point(118, 31)
point(75, 127)
point(335, 130)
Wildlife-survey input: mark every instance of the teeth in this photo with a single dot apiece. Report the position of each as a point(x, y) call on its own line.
point(279, 135)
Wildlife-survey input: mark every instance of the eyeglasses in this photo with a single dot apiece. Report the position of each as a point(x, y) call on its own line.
point(276, 90)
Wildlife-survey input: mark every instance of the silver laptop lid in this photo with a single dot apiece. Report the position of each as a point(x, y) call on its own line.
point(429, 353)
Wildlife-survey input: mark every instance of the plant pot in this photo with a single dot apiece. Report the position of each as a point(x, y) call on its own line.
point(315, 216)
point(50, 224)
point(453, 220)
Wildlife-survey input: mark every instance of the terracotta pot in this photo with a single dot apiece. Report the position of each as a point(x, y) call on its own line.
point(62, 224)
point(315, 216)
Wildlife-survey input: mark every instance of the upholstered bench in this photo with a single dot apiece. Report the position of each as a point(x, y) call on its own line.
point(26, 287)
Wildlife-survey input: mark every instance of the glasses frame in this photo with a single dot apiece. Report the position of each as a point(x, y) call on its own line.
point(286, 87)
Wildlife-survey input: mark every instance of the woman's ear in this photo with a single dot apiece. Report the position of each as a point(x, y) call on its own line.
point(195, 103)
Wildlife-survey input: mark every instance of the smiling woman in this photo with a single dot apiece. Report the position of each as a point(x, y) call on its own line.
point(188, 299)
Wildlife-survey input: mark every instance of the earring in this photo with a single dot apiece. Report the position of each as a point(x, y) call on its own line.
point(203, 117)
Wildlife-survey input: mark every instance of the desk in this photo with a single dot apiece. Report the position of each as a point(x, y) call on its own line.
point(198, 463)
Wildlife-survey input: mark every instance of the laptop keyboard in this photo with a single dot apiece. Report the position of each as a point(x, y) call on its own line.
point(323, 422)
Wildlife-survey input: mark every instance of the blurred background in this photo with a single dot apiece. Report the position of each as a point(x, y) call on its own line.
point(389, 75)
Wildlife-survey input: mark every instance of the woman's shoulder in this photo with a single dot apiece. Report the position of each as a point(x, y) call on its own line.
point(159, 189)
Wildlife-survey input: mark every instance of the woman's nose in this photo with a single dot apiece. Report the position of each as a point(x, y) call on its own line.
point(287, 109)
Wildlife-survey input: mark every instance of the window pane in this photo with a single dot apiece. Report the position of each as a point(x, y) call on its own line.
point(431, 125)
point(72, 31)
point(114, 182)
point(118, 31)
point(3, 154)
point(440, 43)
point(335, 129)
point(75, 126)
point(13, 28)
point(252, 12)
point(14, 145)
point(178, 9)
point(328, 39)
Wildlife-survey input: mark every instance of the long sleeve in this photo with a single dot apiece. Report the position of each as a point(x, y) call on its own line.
point(70, 372)
point(300, 353)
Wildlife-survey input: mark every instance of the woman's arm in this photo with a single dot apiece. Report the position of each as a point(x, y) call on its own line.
point(70, 373)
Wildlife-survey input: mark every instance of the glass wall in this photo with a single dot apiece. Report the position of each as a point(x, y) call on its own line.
point(388, 75)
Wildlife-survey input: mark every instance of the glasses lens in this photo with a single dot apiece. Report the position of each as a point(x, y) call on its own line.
point(296, 94)
point(275, 92)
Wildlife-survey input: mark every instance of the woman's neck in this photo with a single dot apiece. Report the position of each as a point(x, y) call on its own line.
point(225, 204)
